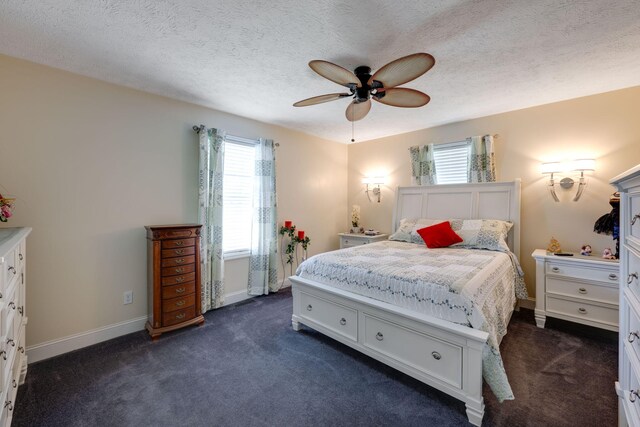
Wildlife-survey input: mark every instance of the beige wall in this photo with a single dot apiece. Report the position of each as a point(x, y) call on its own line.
point(604, 127)
point(91, 163)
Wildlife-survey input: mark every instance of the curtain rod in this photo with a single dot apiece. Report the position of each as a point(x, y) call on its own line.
point(200, 128)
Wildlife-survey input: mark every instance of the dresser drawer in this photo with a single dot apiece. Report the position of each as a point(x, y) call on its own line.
point(425, 353)
point(177, 243)
point(178, 290)
point(178, 269)
point(178, 303)
point(608, 294)
point(633, 326)
point(178, 316)
point(175, 280)
point(631, 401)
point(582, 310)
point(171, 262)
point(176, 233)
point(179, 252)
point(609, 275)
point(338, 318)
point(633, 273)
point(634, 207)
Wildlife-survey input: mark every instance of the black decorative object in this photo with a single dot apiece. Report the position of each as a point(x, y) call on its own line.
point(609, 224)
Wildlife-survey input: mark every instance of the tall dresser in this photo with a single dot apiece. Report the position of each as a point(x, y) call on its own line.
point(13, 317)
point(628, 385)
point(173, 277)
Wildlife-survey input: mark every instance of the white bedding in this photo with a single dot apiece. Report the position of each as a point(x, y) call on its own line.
point(472, 287)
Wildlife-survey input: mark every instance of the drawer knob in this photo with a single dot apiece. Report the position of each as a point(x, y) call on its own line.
point(180, 279)
point(179, 270)
point(343, 321)
point(436, 355)
point(180, 290)
point(635, 218)
point(180, 316)
point(7, 404)
point(179, 251)
point(632, 336)
point(178, 243)
point(556, 269)
point(12, 269)
point(582, 310)
point(180, 303)
point(613, 276)
point(180, 261)
point(309, 307)
point(21, 257)
point(379, 336)
point(633, 395)
point(631, 277)
point(582, 291)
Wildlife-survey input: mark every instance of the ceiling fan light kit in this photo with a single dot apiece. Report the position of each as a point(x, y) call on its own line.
point(381, 86)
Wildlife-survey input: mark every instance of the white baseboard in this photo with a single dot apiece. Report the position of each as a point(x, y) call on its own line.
point(63, 345)
point(235, 297)
point(529, 303)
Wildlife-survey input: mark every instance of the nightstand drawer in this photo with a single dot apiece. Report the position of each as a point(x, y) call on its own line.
point(351, 242)
point(609, 275)
point(608, 294)
point(583, 310)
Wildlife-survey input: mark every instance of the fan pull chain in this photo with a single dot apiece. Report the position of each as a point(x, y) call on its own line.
point(353, 123)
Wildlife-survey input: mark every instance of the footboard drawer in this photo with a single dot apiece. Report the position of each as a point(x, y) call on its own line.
point(436, 358)
point(335, 317)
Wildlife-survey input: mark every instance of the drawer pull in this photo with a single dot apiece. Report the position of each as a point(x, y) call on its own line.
point(21, 310)
point(21, 349)
point(343, 321)
point(556, 269)
point(632, 336)
point(180, 316)
point(379, 336)
point(11, 342)
point(3, 354)
point(633, 395)
point(12, 305)
point(613, 276)
point(14, 383)
point(7, 404)
point(631, 277)
point(21, 257)
point(346, 241)
point(582, 310)
point(179, 251)
point(309, 307)
point(180, 290)
point(180, 279)
point(180, 303)
point(179, 270)
point(12, 269)
point(180, 261)
point(635, 217)
point(178, 243)
point(436, 355)
point(582, 291)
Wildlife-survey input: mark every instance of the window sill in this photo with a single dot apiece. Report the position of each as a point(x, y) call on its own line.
point(236, 255)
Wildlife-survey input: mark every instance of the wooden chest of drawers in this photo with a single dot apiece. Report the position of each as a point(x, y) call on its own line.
point(173, 277)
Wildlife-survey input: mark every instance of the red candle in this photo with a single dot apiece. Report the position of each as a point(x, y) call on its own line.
point(287, 224)
point(301, 235)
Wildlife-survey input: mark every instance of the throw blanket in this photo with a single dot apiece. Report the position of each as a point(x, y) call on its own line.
point(471, 287)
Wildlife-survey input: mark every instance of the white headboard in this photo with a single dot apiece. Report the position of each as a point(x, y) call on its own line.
point(491, 200)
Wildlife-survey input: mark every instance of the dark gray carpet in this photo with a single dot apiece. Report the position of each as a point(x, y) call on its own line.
point(246, 367)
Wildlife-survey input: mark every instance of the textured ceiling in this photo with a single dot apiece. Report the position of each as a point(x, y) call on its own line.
point(250, 57)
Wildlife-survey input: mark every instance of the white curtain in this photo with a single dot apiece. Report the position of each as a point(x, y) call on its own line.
point(482, 163)
point(263, 273)
point(423, 166)
point(210, 216)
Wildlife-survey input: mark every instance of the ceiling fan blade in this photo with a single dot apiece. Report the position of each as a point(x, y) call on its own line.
point(335, 73)
point(403, 70)
point(358, 110)
point(320, 99)
point(403, 97)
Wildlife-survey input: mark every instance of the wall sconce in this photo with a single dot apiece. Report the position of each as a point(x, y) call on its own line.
point(580, 165)
point(376, 182)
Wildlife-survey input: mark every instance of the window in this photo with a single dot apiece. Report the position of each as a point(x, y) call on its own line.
point(237, 210)
point(452, 162)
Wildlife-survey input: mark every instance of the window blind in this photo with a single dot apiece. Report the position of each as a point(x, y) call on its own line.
point(239, 165)
point(452, 161)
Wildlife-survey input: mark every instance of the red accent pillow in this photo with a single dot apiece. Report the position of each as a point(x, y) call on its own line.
point(439, 235)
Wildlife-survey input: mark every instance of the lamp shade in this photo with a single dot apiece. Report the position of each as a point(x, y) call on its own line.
point(584, 165)
point(551, 167)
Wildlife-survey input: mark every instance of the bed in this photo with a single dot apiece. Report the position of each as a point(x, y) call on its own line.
point(394, 323)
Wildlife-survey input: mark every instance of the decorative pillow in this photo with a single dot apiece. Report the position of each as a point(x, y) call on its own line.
point(482, 233)
point(407, 231)
point(439, 235)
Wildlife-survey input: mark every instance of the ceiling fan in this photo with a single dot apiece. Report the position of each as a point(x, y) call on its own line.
point(381, 86)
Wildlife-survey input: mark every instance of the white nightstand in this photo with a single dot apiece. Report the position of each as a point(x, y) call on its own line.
point(576, 288)
point(348, 240)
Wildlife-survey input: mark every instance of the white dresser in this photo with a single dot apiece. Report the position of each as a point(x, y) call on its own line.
point(13, 317)
point(628, 385)
point(348, 240)
point(577, 288)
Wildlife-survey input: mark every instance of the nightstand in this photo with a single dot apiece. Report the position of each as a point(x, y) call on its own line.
point(348, 240)
point(578, 288)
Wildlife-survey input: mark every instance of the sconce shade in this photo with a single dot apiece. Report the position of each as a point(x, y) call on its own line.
point(584, 165)
point(551, 167)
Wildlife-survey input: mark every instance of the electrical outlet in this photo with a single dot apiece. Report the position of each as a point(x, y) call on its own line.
point(128, 297)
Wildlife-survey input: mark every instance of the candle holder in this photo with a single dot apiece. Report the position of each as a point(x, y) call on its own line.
point(289, 247)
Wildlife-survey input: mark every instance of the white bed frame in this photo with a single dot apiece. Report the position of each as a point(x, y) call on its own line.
point(439, 353)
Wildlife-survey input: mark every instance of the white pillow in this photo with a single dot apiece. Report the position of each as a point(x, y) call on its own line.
point(407, 231)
